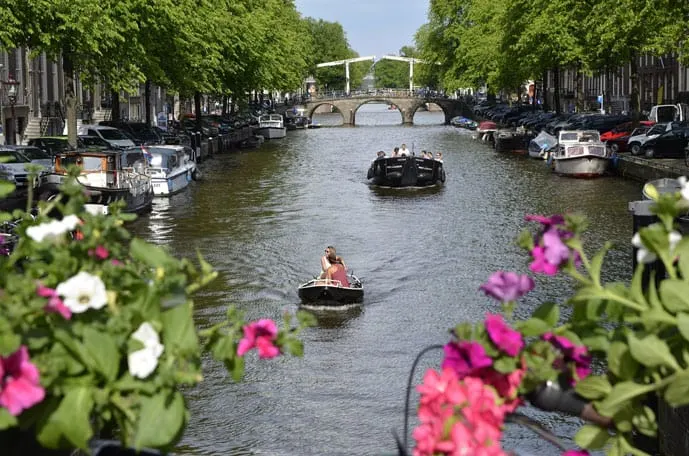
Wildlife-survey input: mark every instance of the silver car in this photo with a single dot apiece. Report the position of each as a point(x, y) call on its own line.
point(13, 165)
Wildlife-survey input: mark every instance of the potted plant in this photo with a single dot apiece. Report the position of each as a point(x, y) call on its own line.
point(637, 333)
point(97, 336)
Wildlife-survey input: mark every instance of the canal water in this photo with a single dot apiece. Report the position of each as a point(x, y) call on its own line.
point(262, 217)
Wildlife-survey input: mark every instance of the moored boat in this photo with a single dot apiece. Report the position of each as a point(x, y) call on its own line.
point(485, 131)
point(271, 126)
point(580, 153)
point(170, 169)
point(541, 145)
point(512, 141)
point(107, 176)
point(406, 172)
point(327, 292)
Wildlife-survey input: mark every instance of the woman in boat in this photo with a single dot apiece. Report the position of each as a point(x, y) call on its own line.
point(329, 259)
point(338, 273)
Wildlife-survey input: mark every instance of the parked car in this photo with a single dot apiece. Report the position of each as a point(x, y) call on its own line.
point(35, 155)
point(92, 142)
point(51, 144)
point(113, 136)
point(670, 144)
point(621, 143)
point(140, 131)
point(13, 169)
point(636, 141)
point(624, 129)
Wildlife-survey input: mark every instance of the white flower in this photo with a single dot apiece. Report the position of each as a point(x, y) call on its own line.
point(52, 230)
point(143, 362)
point(82, 292)
point(684, 191)
point(643, 255)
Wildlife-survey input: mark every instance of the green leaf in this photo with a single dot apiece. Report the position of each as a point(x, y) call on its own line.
point(533, 327)
point(593, 387)
point(294, 347)
point(9, 341)
point(597, 262)
point(674, 294)
point(6, 419)
point(6, 188)
point(235, 366)
point(149, 254)
point(549, 312)
point(103, 352)
point(651, 351)
point(620, 361)
point(592, 437)
point(160, 421)
point(306, 319)
point(505, 365)
point(677, 392)
point(70, 421)
point(645, 421)
point(683, 324)
point(636, 287)
point(619, 396)
point(179, 331)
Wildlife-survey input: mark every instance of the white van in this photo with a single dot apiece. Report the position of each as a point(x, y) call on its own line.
point(669, 112)
point(113, 136)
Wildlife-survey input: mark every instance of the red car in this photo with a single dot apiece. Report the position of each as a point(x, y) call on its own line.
point(621, 143)
point(623, 130)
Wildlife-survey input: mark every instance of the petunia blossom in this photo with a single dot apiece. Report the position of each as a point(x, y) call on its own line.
point(577, 354)
point(143, 362)
point(82, 292)
point(99, 252)
point(546, 221)
point(505, 338)
point(507, 286)
point(465, 357)
point(260, 334)
point(540, 263)
point(53, 230)
point(55, 303)
point(556, 252)
point(20, 388)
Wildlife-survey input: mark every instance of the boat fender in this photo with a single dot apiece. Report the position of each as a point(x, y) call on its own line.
point(196, 174)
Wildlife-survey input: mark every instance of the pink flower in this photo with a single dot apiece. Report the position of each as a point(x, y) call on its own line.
point(19, 382)
point(464, 357)
point(575, 453)
point(505, 338)
point(546, 221)
point(260, 334)
point(578, 354)
point(115, 262)
point(99, 252)
point(540, 264)
point(55, 303)
point(556, 252)
point(507, 286)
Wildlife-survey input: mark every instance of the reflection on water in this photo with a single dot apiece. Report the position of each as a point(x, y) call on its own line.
point(263, 217)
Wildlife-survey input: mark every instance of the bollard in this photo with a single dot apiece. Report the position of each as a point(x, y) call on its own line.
point(198, 146)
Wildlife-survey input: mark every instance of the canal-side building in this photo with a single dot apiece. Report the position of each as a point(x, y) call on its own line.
point(38, 108)
point(662, 80)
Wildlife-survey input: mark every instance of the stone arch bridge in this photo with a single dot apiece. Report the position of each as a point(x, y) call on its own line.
point(406, 102)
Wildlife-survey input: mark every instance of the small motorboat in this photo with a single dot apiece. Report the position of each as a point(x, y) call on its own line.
point(406, 172)
point(327, 292)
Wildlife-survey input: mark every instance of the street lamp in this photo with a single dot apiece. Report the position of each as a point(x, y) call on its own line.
point(12, 98)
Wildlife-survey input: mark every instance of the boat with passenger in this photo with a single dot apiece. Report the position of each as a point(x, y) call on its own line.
point(329, 292)
point(408, 171)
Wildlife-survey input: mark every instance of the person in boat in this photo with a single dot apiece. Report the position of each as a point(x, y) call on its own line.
point(425, 154)
point(404, 152)
point(438, 156)
point(338, 273)
point(380, 154)
point(329, 259)
point(396, 152)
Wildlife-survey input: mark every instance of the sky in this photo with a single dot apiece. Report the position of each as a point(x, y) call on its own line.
point(373, 27)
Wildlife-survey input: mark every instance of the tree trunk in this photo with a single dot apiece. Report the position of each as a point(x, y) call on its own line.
point(544, 91)
point(197, 109)
point(147, 96)
point(556, 98)
point(579, 91)
point(635, 102)
point(115, 110)
point(70, 99)
point(607, 95)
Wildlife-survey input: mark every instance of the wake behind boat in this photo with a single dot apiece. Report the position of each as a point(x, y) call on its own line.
point(327, 292)
point(409, 171)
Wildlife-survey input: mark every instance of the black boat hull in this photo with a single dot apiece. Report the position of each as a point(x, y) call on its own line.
point(406, 172)
point(315, 292)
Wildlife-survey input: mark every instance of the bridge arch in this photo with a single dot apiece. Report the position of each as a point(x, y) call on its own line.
point(407, 105)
